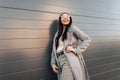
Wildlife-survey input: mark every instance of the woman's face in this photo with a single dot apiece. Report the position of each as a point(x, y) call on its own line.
point(65, 19)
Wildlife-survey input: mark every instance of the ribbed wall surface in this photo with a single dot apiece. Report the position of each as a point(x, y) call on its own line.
point(27, 28)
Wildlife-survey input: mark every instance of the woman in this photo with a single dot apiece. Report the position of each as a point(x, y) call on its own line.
point(68, 45)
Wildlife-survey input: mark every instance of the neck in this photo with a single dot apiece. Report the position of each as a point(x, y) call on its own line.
point(64, 27)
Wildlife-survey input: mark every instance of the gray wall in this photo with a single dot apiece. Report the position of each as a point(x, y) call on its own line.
point(27, 28)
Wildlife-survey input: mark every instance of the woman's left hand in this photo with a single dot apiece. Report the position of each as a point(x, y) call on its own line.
point(70, 49)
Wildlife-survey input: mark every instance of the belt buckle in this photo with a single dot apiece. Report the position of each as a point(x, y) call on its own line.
point(60, 53)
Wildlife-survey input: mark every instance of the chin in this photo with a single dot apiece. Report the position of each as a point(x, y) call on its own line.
point(65, 24)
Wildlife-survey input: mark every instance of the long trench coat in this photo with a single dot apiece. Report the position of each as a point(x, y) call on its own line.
point(80, 42)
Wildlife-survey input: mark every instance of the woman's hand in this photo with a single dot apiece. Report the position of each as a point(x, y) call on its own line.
point(55, 68)
point(70, 49)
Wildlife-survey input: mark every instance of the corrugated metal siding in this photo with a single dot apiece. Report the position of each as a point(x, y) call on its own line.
point(27, 28)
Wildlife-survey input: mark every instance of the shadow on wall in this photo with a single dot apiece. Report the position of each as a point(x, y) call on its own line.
point(53, 29)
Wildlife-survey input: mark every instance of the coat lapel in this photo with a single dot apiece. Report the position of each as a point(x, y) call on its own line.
point(69, 38)
point(54, 42)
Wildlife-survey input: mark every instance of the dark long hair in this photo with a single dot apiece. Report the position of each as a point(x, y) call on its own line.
point(61, 29)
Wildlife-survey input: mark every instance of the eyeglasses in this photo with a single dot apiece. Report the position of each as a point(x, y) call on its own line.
point(67, 16)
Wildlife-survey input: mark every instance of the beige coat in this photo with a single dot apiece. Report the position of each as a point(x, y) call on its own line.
point(80, 42)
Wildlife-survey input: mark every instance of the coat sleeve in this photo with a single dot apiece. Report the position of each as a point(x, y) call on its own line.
point(53, 61)
point(53, 58)
point(84, 38)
